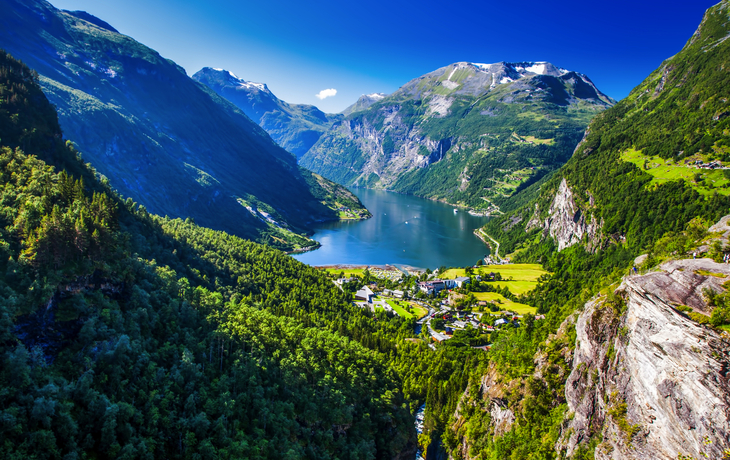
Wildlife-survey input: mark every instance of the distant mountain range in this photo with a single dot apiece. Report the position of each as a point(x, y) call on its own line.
point(161, 138)
point(467, 133)
point(295, 127)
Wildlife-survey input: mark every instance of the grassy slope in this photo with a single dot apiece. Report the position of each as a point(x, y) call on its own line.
point(524, 276)
point(663, 170)
point(504, 303)
point(679, 111)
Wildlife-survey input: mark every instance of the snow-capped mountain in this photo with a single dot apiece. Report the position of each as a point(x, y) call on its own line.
point(475, 79)
point(467, 133)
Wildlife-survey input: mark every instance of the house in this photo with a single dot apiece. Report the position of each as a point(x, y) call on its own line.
point(449, 284)
point(365, 294)
point(387, 292)
point(398, 294)
point(431, 287)
point(460, 324)
point(461, 281)
point(426, 287)
point(500, 322)
point(438, 285)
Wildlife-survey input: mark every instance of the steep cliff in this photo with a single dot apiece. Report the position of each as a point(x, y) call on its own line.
point(647, 380)
point(631, 376)
point(566, 222)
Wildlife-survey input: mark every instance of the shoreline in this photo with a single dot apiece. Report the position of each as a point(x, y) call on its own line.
point(406, 269)
point(469, 210)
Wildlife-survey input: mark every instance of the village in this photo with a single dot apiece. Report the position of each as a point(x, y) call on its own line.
point(470, 304)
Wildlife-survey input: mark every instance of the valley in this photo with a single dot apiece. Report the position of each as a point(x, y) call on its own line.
point(522, 268)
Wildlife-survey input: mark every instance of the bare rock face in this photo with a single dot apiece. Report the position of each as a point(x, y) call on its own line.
point(566, 222)
point(723, 228)
point(651, 382)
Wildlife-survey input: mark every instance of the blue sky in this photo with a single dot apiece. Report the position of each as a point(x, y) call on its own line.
point(301, 48)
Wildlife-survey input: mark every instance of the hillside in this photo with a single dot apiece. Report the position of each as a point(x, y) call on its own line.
point(472, 134)
point(128, 335)
point(295, 127)
point(630, 360)
point(158, 136)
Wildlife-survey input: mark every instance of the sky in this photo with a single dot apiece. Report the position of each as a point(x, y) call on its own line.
point(329, 52)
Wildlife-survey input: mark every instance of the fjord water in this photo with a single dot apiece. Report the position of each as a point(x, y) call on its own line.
point(404, 230)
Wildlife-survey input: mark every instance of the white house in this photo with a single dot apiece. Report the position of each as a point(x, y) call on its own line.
point(450, 284)
point(461, 281)
point(365, 294)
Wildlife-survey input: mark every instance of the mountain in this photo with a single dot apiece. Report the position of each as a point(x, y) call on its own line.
point(630, 360)
point(467, 133)
point(295, 127)
point(127, 335)
point(364, 102)
point(161, 138)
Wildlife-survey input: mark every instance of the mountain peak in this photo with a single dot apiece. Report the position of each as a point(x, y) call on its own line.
point(524, 77)
point(364, 102)
point(523, 68)
point(222, 77)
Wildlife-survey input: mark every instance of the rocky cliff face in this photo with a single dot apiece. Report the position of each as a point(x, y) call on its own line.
point(646, 379)
point(566, 222)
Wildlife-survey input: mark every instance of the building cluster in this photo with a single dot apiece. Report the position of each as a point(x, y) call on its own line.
point(437, 285)
point(716, 164)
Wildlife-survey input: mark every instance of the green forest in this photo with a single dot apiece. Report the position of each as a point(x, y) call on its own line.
point(128, 335)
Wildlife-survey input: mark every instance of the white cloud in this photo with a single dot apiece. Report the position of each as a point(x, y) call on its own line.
point(326, 93)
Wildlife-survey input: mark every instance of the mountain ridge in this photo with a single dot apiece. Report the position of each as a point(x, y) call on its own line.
point(295, 127)
point(160, 137)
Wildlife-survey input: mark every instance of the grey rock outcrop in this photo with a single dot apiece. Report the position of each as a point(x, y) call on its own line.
point(650, 381)
point(566, 222)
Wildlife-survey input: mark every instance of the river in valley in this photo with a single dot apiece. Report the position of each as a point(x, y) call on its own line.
point(404, 231)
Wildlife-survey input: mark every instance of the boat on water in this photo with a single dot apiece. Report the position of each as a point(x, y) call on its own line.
point(455, 210)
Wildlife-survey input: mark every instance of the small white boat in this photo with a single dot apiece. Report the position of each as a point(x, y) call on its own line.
point(455, 210)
